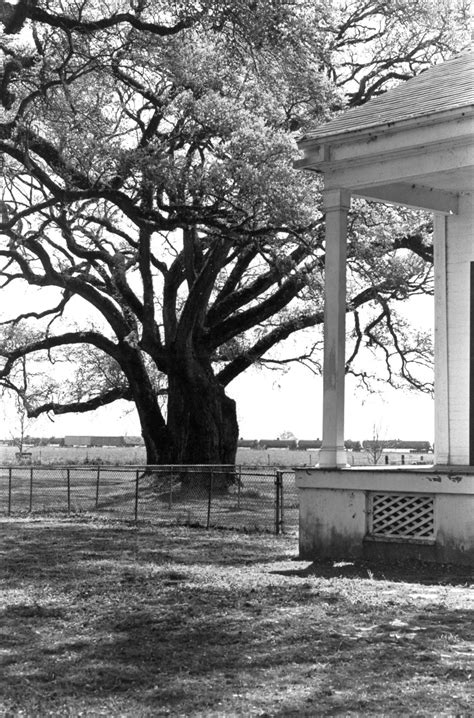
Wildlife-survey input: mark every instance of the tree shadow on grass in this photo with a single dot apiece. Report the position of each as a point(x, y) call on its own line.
point(406, 572)
point(200, 659)
point(195, 623)
point(34, 550)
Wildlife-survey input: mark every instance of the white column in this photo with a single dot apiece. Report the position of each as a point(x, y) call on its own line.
point(456, 383)
point(336, 204)
point(442, 443)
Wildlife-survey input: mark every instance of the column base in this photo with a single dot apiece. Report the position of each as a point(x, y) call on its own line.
point(332, 457)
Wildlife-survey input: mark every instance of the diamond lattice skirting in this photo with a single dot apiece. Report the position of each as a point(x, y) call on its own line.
point(409, 516)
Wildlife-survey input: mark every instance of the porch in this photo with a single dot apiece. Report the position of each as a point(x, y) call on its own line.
point(413, 146)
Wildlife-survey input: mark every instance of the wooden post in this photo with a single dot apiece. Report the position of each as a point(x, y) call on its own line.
point(209, 501)
point(9, 490)
point(239, 485)
point(471, 368)
point(441, 363)
point(97, 488)
point(336, 204)
point(278, 484)
point(31, 489)
point(68, 479)
point(137, 479)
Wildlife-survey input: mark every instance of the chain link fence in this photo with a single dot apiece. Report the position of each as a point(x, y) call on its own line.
point(260, 498)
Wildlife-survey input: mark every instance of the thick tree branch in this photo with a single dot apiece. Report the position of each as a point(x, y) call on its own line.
point(107, 397)
point(263, 345)
point(15, 18)
point(249, 318)
point(239, 298)
point(193, 312)
point(60, 340)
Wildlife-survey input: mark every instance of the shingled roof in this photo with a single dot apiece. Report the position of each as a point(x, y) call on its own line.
point(443, 87)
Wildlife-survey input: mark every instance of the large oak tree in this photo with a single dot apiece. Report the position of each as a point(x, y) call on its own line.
point(147, 151)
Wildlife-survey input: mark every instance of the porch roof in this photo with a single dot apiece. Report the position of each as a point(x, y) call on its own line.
point(444, 87)
point(412, 146)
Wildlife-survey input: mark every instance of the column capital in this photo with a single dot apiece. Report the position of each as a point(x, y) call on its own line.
point(336, 199)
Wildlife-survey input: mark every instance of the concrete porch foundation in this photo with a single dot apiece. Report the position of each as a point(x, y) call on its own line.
point(387, 514)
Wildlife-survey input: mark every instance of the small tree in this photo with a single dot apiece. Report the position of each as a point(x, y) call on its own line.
point(15, 389)
point(374, 448)
point(18, 435)
point(287, 436)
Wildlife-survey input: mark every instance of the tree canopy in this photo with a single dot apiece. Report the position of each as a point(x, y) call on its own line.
point(147, 151)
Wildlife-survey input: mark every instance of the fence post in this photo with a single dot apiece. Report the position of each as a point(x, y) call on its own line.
point(278, 482)
point(31, 489)
point(137, 479)
point(97, 488)
point(9, 490)
point(239, 486)
point(68, 479)
point(282, 504)
point(209, 500)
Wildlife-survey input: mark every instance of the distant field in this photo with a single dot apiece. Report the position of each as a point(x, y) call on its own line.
point(77, 455)
point(135, 455)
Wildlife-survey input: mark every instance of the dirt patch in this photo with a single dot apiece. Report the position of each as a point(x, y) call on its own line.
point(106, 619)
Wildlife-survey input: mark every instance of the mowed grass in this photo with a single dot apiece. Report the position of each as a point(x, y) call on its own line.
point(107, 619)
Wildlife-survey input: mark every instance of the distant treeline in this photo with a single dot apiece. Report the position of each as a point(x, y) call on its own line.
point(291, 444)
point(307, 444)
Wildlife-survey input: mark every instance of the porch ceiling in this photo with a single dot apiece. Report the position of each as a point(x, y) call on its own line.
point(436, 191)
point(457, 181)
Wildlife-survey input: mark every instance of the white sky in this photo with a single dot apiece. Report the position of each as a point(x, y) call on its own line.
point(270, 403)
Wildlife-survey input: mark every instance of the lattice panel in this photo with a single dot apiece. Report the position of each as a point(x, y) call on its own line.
point(402, 516)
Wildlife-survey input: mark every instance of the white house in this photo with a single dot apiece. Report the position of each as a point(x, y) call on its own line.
point(413, 146)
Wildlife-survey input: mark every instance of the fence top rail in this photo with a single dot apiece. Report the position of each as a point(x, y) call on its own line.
point(256, 469)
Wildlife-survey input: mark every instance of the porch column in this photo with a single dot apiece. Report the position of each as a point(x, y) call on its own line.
point(441, 361)
point(336, 205)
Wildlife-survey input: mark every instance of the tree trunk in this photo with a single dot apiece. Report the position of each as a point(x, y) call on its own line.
point(158, 442)
point(201, 419)
point(202, 423)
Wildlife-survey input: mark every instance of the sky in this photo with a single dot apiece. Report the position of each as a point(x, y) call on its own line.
point(270, 403)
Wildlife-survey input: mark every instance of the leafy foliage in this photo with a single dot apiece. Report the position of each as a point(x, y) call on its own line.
point(148, 184)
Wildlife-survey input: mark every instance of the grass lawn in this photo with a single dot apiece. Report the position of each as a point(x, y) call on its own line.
point(105, 619)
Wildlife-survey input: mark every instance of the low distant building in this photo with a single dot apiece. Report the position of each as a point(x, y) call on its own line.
point(107, 441)
point(77, 440)
point(94, 441)
point(307, 444)
point(248, 444)
point(133, 440)
point(277, 443)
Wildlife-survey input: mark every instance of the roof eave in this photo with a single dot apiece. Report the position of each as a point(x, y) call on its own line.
point(358, 133)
